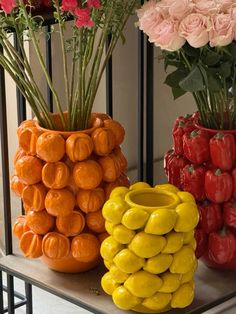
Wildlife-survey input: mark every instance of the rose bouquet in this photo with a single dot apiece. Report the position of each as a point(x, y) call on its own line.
point(93, 22)
point(198, 38)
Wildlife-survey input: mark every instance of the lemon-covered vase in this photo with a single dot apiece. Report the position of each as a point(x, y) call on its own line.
point(150, 253)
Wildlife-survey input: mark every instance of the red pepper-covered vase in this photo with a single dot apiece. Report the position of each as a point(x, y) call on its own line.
point(203, 162)
point(63, 179)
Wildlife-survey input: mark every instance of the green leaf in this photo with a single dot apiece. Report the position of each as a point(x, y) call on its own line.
point(226, 69)
point(175, 77)
point(214, 84)
point(193, 82)
point(177, 92)
point(211, 58)
point(190, 51)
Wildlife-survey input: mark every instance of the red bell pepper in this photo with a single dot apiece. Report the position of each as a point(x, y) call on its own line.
point(179, 120)
point(222, 150)
point(178, 133)
point(192, 178)
point(218, 186)
point(234, 182)
point(221, 246)
point(210, 217)
point(168, 155)
point(196, 146)
point(229, 214)
point(176, 164)
point(201, 238)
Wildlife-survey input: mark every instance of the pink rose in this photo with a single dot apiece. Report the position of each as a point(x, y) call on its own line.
point(69, 5)
point(149, 5)
point(179, 9)
point(166, 36)
point(163, 7)
point(205, 7)
point(195, 29)
point(149, 18)
point(222, 33)
point(224, 5)
point(233, 16)
point(8, 5)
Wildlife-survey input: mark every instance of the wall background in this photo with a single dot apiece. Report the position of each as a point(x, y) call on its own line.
point(125, 83)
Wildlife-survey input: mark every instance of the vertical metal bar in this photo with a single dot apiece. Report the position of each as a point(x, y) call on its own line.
point(5, 164)
point(21, 106)
point(140, 105)
point(49, 64)
point(28, 295)
point(10, 294)
point(149, 114)
point(109, 84)
point(1, 294)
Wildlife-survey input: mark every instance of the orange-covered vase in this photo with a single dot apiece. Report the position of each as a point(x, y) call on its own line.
point(63, 179)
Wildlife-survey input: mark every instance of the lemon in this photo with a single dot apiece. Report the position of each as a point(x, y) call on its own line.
point(118, 275)
point(147, 245)
point(183, 260)
point(108, 283)
point(158, 301)
point(174, 242)
point(122, 234)
point(119, 191)
point(171, 282)
point(161, 221)
point(109, 227)
point(186, 197)
point(188, 236)
point(158, 264)
point(124, 299)
point(139, 186)
point(183, 296)
point(135, 218)
point(193, 243)
point(109, 248)
point(114, 209)
point(143, 284)
point(128, 262)
point(188, 217)
point(108, 264)
point(167, 187)
point(187, 276)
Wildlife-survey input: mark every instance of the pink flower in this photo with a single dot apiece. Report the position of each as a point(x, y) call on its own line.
point(206, 7)
point(166, 36)
point(233, 16)
point(94, 4)
point(8, 5)
point(83, 18)
point(222, 33)
point(195, 29)
point(224, 5)
point(179, 9)
point(69, 5)
point(149, 17)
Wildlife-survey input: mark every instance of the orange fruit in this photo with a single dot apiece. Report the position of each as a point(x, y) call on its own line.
point(17, 186)
point(117, 129)
point(87, 174)
point(90, 200)
point(20, 226)
point(31, 244)
point(29, 169)
point(55, 245)
point(72, 224)
point(79, 147)
point(40, 222)
point(50, 147)
point(59, 202)
point(33, 196)
point(104, 141)
point(96, 222)
point(55, 175)
point(85, 248)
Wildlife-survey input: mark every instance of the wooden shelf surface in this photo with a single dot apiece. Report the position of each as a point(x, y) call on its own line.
point(212, 287)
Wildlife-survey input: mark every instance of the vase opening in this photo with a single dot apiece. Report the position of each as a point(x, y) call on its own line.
point(151, 198)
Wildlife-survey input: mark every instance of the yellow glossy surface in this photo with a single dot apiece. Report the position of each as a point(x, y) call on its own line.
point(150, 253)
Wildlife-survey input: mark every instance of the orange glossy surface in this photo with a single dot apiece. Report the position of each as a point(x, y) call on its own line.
point(50, 147)
point(26, 124)
point(96, 222)
point(85, 248)
point(29, 169)
point(55, 175)
point(59, 202)
point(28, 138)
point(103, 236)
point(79, 147)
point(110, 167)
point(87, 174)
point(40, 222)
point(19, 153)
point(20, 226)
point(68, 264)
point(104, 141)
point(72, 224)
point(31, 244)
point(121, 159)
point(55, 245)
point(17, 186)
point(33, 196)
point(117, 129)
point(90, 200)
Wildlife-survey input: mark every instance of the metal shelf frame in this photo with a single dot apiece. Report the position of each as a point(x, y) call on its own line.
point(145, 153)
